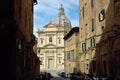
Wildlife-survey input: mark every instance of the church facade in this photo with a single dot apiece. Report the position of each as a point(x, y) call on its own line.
point(50, 46)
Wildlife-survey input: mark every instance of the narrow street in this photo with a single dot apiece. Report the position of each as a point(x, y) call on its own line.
point(56, 76)
point(59, 78)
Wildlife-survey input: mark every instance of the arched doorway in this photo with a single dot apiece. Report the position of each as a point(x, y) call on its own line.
point(104, 59)
point(116, 58)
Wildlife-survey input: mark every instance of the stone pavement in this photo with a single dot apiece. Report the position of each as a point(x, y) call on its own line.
point(55, 75)
point(53, 72)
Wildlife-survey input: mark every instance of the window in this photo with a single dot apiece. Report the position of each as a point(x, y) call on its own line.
point(93, 65)
point(102, 15)
point(38, 51)
point(59, 40)
point(41, 41)
point(50, 39)
point(83, 47)
point(87, 66)
point(72, 55)
point(83, 12)
point(92, 3)
point(41, 60)
point(59, 60)
point(92, 42)
point(68, 55)
point(92, 25)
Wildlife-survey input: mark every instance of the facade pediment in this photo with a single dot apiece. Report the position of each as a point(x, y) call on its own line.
point(49, 46)
point(49, 25)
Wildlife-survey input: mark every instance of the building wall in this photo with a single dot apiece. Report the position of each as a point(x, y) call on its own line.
point(107, 38)
point(87, 32)
point(36, 62)
point(106, 31)
point(25, 39)
point(51, 50)
point(24, 17)
point(16, 28)
point(71, 52)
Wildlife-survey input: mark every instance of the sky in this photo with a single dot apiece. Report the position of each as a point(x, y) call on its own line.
point(47, 10)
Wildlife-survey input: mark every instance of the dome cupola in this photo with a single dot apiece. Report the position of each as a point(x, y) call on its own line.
point(62, 19)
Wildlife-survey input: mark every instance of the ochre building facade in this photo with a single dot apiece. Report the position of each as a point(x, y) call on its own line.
point(72, 51)
point(100, 37)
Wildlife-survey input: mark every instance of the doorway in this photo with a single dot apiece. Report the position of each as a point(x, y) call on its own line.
point(50, 63)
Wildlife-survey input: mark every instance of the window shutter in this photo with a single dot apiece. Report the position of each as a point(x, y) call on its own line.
point(84, 47)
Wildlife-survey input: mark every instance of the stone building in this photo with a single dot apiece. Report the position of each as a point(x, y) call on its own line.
point(87, 38)
point(99, 20)
point(17, 39)
point(36, 61)
point(108, 33)
point(72, 51)
point(50, 46)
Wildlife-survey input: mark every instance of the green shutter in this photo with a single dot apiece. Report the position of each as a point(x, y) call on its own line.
point(93, 42)
point(84, 47)
point(92, 3)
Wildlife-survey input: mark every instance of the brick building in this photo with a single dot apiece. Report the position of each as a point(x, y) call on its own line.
point(108, 32)
point(17, 39)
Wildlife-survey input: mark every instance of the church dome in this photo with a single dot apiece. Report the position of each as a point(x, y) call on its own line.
point(61, 18)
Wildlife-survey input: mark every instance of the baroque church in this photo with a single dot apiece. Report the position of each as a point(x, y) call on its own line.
point(50, 42)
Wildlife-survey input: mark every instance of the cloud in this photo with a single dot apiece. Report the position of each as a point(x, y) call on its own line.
point(46, 9)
